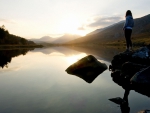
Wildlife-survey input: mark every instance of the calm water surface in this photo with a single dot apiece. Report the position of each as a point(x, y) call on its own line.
point(35, 81)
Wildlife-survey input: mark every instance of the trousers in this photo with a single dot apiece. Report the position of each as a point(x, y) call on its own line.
point(128, 33)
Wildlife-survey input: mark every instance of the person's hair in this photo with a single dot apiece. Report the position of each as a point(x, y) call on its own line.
point(128, 13)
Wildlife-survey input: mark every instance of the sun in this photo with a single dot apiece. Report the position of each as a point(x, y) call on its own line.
point(70, 24)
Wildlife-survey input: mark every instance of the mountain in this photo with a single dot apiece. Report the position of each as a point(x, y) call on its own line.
point(101, 29)
point(114, 32)
point(95, 31)
point(47, 39)
point(44, 39)
point(65, 38)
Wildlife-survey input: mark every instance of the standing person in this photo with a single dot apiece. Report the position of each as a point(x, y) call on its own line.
point(129, 23)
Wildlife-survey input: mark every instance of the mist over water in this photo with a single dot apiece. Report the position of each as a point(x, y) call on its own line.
point(36, 82)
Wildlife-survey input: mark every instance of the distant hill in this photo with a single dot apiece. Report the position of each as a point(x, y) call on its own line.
point(65, 38)
point(44, 39)
point(102, 29)
point(95, 32)
point(114, 33)
point(47, 39)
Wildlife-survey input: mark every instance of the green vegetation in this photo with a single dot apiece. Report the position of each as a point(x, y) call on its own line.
point(137, 40)
point(141, 39)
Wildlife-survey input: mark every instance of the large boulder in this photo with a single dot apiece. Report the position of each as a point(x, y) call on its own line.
point(142, 77)
point(120, 59)
point(140, 56)
point(87, 68)
point(131, 70)
point(142, 53)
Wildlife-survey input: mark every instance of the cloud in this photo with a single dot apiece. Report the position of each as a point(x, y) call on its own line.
point(104, 21)
point(81, 28)
point(6, 21)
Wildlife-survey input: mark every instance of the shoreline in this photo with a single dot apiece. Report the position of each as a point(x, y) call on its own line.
point(10, 47)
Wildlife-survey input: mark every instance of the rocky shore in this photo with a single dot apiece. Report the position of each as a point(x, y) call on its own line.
point(131, 70)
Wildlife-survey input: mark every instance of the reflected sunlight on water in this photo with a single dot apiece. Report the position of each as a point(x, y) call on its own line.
point(74, 58)
point(56, 54)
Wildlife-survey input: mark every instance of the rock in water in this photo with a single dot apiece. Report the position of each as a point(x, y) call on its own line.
point(140, 56)
point(87, 68)
point(142, 77)
point(129, 69)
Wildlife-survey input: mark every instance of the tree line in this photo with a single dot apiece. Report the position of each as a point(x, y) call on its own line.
point(9, 39)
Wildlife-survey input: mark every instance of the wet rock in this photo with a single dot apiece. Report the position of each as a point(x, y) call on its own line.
point(87, 68)
point(144, 111)
point(129, 69)
point(121, 80)
point(120, 59)
point(142, 53)
point(142, 77)
point(129, 63)
point(140, 56)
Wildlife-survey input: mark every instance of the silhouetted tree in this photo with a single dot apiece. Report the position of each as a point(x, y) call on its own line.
point(6, 38)
point(2, 32)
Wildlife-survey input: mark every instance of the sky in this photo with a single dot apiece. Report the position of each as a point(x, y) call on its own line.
point(54, 18)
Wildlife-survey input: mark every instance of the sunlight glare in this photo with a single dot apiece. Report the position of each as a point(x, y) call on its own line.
point(74, 58)
point(70, 24)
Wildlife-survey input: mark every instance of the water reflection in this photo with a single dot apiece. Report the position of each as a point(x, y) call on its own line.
point(87, 73)
point(124, 103)
point(63, 50)
point(103, 52)
point(127, 86)
point(74, 58)
point(42, 85)
point(100, 52)
point(125, 106)
point(7, 55)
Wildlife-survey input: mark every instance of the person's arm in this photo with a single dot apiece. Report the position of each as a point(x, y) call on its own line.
point(125, 24)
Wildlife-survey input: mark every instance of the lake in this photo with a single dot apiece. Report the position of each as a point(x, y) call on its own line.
point(35, 81)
